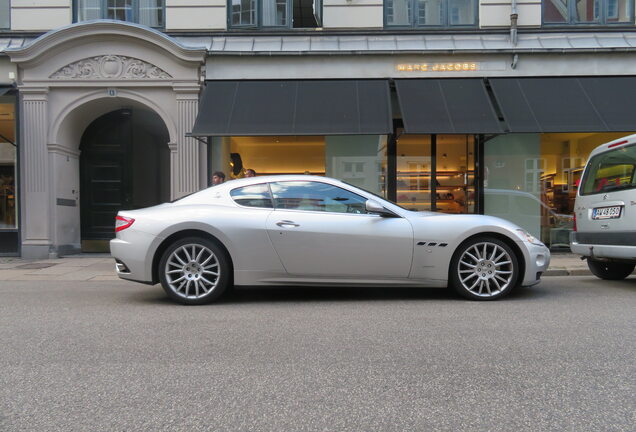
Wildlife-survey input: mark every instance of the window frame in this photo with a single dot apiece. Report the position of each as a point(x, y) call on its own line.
point(9, 19)
point(602, 22)
point(269, 191)
point(317, 211)
point(135, 8)
point(446, 12)
point(259, 18)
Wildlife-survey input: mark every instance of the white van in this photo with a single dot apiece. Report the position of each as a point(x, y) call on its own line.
point(605, 210)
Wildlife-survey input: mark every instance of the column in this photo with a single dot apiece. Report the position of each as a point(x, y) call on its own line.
point(35, 173)
point(185, 168)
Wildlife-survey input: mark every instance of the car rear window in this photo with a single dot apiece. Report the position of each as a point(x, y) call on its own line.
point(252, 196)
point(610, 171)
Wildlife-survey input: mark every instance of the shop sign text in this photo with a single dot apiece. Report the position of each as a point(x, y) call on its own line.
point(437, 67)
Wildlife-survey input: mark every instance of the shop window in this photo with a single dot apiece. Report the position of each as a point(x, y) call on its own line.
point(430, 13)
point(275, 13)
point(587, 12)
point(8, 159)
point(146, 12)
point(5, 14)
point(532, 179)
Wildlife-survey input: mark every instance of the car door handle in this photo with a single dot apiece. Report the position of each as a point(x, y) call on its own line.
point(286, 223)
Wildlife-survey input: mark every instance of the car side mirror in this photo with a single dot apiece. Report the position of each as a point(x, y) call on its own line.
point(372, 206)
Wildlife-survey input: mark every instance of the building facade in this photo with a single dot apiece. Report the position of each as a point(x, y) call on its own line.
point(446, 105)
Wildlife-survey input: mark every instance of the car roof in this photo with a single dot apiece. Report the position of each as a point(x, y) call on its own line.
point(232, 184)
point(617, 143)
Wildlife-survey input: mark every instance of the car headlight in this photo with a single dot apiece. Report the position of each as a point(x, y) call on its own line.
point(525, 235)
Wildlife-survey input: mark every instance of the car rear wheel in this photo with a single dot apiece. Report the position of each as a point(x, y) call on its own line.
point(609, 270)
point(194, 271)
point(484, 268)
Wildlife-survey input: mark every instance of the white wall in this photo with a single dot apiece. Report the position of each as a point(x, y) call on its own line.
point(196, 14)
point(39, 15)
point(353, 14)
point(496, 13)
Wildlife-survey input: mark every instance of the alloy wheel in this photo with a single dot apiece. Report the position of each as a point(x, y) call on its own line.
point(485, 269)
point(192, 271)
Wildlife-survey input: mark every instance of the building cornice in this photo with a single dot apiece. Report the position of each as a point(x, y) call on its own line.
point(104, 28)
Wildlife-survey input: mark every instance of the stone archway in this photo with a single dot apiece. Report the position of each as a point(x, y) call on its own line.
point(67, 79)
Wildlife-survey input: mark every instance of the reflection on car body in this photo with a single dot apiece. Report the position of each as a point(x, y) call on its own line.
point(309, 230)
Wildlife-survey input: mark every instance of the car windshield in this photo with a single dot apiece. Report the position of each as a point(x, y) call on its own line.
point(611, 171)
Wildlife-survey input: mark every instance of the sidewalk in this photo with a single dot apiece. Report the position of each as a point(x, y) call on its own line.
point(101, 267)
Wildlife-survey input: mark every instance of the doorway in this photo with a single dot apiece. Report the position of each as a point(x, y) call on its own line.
point(437, 173)
point(124, 164)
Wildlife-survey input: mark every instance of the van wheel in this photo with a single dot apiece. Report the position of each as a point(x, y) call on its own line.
point(609, 270)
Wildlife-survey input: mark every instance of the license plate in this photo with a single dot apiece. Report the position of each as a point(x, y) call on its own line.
point(606, 212)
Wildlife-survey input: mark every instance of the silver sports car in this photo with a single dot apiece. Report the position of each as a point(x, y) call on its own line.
point(307, 230)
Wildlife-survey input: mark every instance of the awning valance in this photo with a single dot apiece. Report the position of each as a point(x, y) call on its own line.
point(294, 107)
point(567, 104)
point(446, 106)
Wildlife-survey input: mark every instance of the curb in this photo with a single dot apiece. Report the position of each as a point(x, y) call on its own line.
point(567, 272)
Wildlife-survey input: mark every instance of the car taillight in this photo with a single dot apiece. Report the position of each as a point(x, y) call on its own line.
point(574, 225)
point(121, 223)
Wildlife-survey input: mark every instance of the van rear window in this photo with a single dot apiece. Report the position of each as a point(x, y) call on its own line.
point(610, 171)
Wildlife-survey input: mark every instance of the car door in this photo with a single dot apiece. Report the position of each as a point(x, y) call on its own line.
point(319, 229)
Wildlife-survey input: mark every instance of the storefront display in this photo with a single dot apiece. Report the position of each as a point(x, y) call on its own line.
point(532, 179)
point(8, 175)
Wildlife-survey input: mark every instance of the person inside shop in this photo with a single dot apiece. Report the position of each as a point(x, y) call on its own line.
point(250, 173)
point(218, 177)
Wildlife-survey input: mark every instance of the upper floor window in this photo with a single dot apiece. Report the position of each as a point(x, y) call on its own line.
point(5, 14)
point(275, 13)
point(598, 12)
point(147, 12)
point(430, 13)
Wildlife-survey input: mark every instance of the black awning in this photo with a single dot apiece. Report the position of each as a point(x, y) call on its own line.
point(4, 90)
point(311, 107)
point(446, 106)
point(567, 104)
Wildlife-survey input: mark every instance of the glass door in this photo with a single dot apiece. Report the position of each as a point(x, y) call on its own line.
point(436, 173)
point(455, 174)
point(414, 172)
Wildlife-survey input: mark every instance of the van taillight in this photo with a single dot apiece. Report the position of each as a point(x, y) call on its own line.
point(574, 226)
point(121, 223)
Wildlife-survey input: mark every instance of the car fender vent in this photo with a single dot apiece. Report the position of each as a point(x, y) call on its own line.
point(423, 243)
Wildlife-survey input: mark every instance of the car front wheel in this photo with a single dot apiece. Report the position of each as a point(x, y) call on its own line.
point(484, 268)
point(609, 270)
point(194, 271)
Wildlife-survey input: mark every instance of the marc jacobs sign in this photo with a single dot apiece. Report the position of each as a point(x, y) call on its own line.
point(437, 67)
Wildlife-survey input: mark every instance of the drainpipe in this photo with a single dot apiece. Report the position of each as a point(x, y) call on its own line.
point(513, 23)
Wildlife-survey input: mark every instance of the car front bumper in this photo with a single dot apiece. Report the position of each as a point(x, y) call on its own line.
point(537, 261)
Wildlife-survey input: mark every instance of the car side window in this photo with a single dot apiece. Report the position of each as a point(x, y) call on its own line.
point(252, 196)
point(316, 196)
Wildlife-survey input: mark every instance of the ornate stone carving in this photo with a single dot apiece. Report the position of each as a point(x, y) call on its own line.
point(111, 67)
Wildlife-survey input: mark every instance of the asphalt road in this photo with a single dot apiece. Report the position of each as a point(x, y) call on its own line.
point(92, 356)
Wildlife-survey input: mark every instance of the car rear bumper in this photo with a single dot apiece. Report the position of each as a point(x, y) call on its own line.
point(537, 262)
point(131, 252)
point(619, 252)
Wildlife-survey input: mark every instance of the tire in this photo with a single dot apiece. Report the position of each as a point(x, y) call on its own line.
point(484, 274)
point(194, 271)
point(610, 270)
